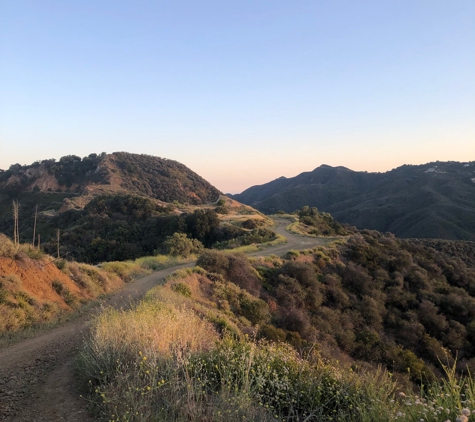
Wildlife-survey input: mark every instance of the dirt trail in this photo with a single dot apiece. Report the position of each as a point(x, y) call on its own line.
point(37, 374)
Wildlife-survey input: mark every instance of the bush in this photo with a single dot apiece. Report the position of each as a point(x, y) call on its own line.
point(60, 264)
point(7, 248)
point(3, 295)
point(182, 289)
point(214, 261)
point(12, 281)
point(221, 210)
point(180, 245)
point(57, 286)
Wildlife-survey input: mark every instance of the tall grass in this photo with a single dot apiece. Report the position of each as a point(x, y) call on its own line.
point(128, 270)
point(256, 247)
point(161, 362)
point(126, 361)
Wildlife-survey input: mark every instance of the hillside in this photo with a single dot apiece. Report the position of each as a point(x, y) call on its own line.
point(97, 194)
point(158, 178)
point(434, 200)
point(35, 288)
point(332, 333)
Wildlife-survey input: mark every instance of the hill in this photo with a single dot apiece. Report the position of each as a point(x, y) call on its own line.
point(434, 200)
point(36, 289)
point(71, 183)
point(155, 177)
point(122, 206)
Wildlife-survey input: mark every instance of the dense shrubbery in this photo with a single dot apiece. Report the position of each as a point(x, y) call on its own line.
point(376, 298)
point(121, 227)
point(161, 362)
point(167, 180)
point(462, 249)
point(69, 170)
point(323, 223)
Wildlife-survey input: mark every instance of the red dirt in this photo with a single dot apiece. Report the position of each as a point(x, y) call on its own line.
point(37, 277)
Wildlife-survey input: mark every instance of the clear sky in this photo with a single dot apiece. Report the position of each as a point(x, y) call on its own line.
point(240, 91)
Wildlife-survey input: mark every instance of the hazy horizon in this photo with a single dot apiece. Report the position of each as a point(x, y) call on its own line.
point(241, 93)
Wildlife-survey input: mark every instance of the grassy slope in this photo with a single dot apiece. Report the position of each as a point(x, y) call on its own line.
point(165, 361)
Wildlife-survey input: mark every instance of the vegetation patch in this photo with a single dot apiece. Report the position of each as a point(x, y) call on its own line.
point(163, 362)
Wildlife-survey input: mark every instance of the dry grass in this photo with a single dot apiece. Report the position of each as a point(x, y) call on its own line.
point(128, 270)
point(161, 362)
point(7, 248)
point(151, 328)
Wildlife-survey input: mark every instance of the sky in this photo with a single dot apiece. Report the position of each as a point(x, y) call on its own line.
point(240, 91)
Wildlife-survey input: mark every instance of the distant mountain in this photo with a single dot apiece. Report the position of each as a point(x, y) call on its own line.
point(155, 177)
point(434, 200)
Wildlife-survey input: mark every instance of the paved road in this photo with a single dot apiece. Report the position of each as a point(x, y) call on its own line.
point(37, 380)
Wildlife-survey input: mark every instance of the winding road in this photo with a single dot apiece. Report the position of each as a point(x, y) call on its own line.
point(37, 381)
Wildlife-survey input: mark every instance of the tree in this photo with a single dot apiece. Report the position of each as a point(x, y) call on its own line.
point(180, 245)
point(34, 226)
point(16, 231)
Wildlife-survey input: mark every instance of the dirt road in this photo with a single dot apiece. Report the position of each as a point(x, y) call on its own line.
point(37, 374)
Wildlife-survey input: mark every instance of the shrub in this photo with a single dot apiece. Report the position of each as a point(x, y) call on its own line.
point(60, 264)
point(58, 287)
point(3, 295)
point(221, 210)
point(292, 254)
point(214, 261)
point(125, 270)
point(7, 248)
point(12, 281)
point(34, 253)
point(256, 311)
point(180, 245)
point(152, 263)
point(70, 299)
point(182, 289)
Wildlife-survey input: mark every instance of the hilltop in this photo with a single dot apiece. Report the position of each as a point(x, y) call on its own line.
point(71, 176)
point(434, 200)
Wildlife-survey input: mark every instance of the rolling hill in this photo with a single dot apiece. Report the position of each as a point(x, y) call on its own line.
point(434, 200)
point(121, 206)
point(73, 177)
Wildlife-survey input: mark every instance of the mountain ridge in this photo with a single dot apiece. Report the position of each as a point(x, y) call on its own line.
point(433, 200)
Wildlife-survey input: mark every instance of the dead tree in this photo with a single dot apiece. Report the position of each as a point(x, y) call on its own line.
point(16, 231)
point(57, 239)
point(34, 226)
